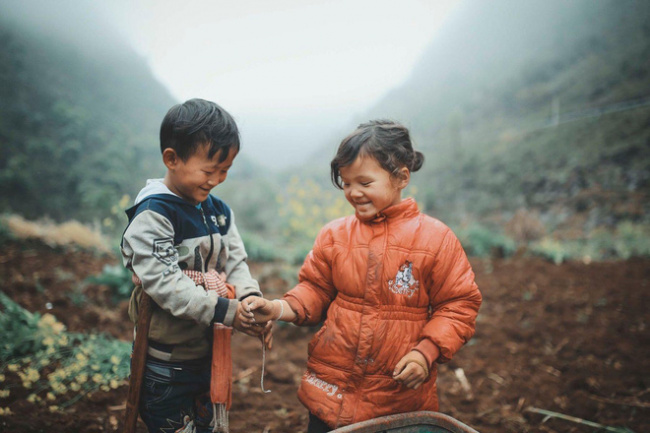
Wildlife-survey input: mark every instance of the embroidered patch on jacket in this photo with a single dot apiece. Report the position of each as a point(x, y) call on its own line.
point(163, 250)
point(404, 283)
point(328, 388)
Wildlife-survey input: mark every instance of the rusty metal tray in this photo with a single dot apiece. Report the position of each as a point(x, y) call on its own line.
point(410, 422)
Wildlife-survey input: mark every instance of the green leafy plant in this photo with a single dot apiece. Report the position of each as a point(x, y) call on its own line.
point(479, 240)
point(56, 367)
point(117, 278)
point(258, 249)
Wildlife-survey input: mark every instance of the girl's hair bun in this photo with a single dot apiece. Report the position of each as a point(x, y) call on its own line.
point(386, 141)
point(418, 160)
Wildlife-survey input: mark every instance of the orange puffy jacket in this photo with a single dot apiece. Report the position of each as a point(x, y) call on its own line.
point(385, 287)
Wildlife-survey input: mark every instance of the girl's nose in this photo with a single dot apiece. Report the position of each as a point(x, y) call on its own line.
point(355, 192)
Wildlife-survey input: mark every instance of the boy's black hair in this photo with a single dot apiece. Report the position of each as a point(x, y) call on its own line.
point(196, 122)
point(386, 141)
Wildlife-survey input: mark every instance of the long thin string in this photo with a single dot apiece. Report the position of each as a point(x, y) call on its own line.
point(266, 391)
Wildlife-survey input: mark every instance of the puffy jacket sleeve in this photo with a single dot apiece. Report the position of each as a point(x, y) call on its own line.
point(455, 300)
point(311, 298)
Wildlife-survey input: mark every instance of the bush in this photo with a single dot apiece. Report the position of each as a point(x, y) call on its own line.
point(117, 278)
point(259, 249)
point(626, 241)
point(479, 240)
point(56, 366)
point(552, 250)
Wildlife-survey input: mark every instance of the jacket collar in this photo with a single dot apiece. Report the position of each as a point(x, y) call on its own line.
point(405, 209)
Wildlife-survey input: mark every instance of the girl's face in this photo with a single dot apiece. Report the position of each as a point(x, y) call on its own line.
point(369, 188)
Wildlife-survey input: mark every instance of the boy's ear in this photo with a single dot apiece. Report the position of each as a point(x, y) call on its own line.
point(403, 178)
point(170, 158)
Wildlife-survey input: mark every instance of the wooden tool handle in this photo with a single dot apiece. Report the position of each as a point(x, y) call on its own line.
point(138, 360)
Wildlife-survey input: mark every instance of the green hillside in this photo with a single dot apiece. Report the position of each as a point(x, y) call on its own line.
point(535, 105)
point(79, 115)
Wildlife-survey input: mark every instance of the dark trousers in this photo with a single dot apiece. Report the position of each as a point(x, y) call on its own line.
point(174, 394)
point(316, 425)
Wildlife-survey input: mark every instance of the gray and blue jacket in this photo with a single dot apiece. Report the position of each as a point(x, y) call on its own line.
point(166, 235)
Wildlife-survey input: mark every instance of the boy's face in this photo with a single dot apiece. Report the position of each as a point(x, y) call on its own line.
point(193, 179)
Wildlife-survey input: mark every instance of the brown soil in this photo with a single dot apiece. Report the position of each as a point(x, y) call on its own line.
point(571, 339)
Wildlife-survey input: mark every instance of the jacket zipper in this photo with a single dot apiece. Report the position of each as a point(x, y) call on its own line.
point(205, 222)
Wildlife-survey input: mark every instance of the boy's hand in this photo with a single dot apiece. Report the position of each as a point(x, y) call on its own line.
point(412, 370)
point(245, 322)
point(244, 315)
point(263, 310)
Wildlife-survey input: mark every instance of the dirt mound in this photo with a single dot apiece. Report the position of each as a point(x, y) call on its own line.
point(571, 339)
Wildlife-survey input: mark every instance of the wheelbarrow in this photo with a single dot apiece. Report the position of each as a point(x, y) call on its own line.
point(410, 422)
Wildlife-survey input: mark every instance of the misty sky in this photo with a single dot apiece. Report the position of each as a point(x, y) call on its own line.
point(293, 72)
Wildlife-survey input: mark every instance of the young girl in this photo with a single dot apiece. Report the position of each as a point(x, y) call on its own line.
point(393, 286)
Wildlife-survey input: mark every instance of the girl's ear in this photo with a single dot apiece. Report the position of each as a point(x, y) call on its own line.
point(170, 158)
point(403, 178)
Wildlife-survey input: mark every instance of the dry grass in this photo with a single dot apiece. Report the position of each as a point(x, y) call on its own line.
point(71, 233)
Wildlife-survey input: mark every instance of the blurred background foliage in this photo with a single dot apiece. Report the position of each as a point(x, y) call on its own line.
point(534, 118)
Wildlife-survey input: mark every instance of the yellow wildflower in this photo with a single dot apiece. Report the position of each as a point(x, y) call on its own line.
point(5, 411)
point(54, 408)
point(125, 201)
point(50, 396)
point(98, 378)
point(48, 341)
point(114, 383)
point(32, 374)
point(2, 377)
point(13, 367)
point(32, 398)
point(58, 328)
point(46, 321)
point(4, 393)
point(115, 359)
point(81, 357)
point(75, 386)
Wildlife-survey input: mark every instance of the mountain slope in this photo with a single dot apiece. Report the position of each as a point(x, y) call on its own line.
point(538, 104)
point(79, 115)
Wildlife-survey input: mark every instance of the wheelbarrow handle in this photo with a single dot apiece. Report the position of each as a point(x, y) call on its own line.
point(138, 361)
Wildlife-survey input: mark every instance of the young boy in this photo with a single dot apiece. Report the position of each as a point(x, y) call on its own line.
point(176, 226)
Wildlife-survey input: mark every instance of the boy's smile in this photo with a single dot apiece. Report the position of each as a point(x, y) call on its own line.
point(192, 180)
point(369, 188)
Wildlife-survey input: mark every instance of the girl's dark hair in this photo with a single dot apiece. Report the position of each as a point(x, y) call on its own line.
point(386, 141)
point(197, 122)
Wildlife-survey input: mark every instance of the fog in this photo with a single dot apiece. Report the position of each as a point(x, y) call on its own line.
point(291, 71)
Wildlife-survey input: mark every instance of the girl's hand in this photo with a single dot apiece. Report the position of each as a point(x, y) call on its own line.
point(262, 309)
point(411, 370)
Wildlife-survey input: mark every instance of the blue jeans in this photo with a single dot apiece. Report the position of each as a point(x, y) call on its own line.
point(174, 394)
point(316, 425)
